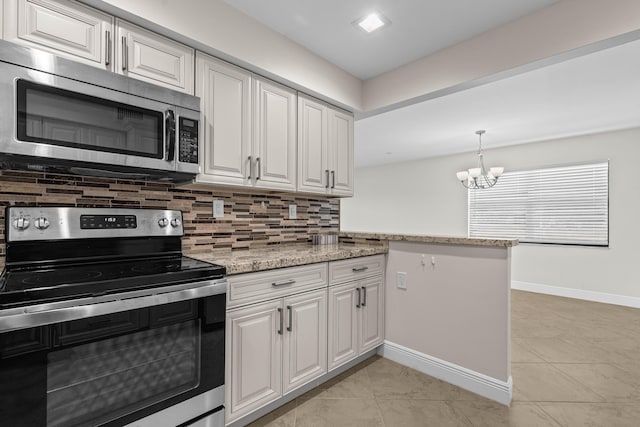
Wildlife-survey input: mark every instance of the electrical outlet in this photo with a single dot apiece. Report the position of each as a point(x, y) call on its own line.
point(293, 212)
point(218, 208)
point(401, 280)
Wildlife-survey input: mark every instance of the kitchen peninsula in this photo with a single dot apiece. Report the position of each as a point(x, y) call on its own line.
point(447, 308)
point(437, 304)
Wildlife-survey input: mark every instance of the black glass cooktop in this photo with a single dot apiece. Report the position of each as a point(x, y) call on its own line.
point(27, 286)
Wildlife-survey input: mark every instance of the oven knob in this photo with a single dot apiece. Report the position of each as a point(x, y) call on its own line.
point(163, 222)
point(41, 223)
point(21, 223)
point(175, 222)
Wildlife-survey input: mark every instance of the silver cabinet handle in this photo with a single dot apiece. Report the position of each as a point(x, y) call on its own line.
point(364, 296)
point(125, 54)
point(287, 282)
point(333, 179)
point(327, 173)
point(281, 321)
point(358, 304)
point(250, 168)
point(290, 327)
point(170, 137)
point(107, 46)
point(359, 269)
point(259, 168)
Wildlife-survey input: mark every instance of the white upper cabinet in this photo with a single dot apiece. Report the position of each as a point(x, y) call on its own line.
point(325, 146)
point(274, 136)
point(83, 34)
point(341, 159)
point(249, 128)
point(62, 27)
point(313, 137)
point(148, 56)
point(225, 93)
point(1, 17)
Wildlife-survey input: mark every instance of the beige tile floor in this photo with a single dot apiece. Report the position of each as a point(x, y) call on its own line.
point(574, 363)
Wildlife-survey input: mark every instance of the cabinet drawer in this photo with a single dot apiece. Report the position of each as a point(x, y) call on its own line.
point(355, 268)
point(254, 287)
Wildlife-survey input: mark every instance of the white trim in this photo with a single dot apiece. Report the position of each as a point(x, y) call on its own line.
point(577, 294)
point(491, 388)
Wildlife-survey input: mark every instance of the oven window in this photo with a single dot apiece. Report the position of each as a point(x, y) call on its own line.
point(96, 382)
point(60, 117)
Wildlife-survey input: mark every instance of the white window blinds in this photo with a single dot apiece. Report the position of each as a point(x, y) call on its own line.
point(565, 205)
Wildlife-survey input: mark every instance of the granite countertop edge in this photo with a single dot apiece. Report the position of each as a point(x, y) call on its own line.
point(450, 240)
point(261, 259)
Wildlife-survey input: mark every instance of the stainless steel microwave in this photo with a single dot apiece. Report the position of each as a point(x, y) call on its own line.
point(62, 115)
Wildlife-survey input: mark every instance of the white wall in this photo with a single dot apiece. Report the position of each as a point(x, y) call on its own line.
point(424, 197)
point(455, 310)
point(554, 33)
point(548, 35)
point(219, 29)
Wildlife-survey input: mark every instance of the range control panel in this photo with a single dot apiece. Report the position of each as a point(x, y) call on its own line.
point(44, 223)
point(188, 140)
point(107, 221)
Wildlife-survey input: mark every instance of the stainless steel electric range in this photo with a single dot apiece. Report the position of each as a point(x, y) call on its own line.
point(104, 322)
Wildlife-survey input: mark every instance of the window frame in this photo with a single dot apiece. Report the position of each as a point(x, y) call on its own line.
point(534, 226)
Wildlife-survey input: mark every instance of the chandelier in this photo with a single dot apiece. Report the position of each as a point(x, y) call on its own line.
point(479, 178)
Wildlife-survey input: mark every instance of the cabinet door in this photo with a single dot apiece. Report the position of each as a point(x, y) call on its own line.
point(313, 128)
point(65, 28)
point(343, 324)
point(341, 160)
point(305, 340)
point(148, 56)
point(253, 358)
point(371, 313)
point(1, 17)
point(225, 94)
point(274, 133)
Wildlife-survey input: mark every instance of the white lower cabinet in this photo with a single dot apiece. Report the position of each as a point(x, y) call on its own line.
point(254, 358)
point(305, 339)
point(273, 348)
point(288, 327)
point(356, 318)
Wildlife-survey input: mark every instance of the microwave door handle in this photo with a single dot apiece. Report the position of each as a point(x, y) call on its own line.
point(170, 138)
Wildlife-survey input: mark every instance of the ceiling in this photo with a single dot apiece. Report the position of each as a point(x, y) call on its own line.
point(593, 93)
point(588, 94)
point(418, 27)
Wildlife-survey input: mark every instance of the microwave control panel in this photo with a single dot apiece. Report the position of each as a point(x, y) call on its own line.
point(188, 140)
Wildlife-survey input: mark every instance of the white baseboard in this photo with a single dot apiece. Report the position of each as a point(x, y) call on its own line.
point(483, 385)
point(577, 294)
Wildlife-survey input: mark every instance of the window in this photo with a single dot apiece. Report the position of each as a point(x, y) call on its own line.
point(563, 205)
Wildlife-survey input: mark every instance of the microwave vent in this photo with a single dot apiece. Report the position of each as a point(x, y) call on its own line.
point(124, 113)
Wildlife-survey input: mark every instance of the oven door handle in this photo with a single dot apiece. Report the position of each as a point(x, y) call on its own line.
point(170, 127)
point(64, 311)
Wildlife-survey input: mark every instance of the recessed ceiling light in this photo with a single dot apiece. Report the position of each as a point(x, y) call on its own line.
point(371, 22)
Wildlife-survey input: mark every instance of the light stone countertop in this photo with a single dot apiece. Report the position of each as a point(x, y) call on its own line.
point(280, 256)
point(429, 239)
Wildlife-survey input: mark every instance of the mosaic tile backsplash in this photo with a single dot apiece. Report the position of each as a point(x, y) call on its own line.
point(251, 219)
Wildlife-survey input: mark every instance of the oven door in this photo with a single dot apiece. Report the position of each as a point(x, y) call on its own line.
point(117, 369)
point(54, 117)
